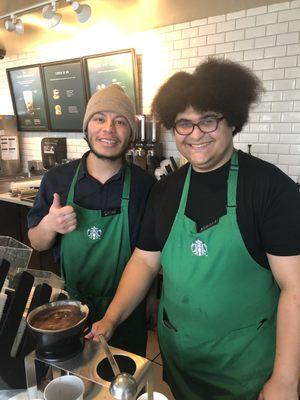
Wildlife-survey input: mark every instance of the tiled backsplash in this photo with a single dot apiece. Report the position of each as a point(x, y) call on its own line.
point(266, 39)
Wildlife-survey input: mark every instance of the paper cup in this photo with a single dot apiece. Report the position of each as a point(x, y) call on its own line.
point(67, 387)
point(156, 396)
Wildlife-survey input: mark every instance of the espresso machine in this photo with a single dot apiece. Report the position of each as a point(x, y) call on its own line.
point(54, 151)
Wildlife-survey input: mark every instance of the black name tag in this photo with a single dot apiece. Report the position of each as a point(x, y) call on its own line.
point(108, 213)
point(209, 225)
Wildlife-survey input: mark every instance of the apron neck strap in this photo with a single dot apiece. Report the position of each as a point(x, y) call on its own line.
point(185, 192)
point(70, 198)
point(127, 182)
point(232, 180)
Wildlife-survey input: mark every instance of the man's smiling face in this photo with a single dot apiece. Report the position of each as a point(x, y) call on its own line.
point(205, 151)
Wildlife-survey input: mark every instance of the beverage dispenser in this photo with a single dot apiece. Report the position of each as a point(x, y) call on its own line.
point(146, 151)
point(10, 163)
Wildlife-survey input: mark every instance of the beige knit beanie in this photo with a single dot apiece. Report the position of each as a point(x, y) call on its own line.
point(114, 99)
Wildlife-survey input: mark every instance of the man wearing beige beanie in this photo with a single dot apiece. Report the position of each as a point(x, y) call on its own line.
point(89, 211)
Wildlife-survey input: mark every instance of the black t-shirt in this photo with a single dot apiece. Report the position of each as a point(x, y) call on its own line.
point(92, 194)
point(268, 207)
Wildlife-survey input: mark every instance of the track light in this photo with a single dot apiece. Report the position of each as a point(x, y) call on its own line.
point(83, 11)
point(14, 25)
point(49, 12)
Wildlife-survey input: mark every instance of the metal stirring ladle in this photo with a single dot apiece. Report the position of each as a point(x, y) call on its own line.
point(123, 386)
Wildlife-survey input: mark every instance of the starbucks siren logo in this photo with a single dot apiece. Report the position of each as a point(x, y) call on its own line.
point(94, 233)
point(199, 248)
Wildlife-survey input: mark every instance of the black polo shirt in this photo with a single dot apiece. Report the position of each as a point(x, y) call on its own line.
point(268, 207)
point(92, 194)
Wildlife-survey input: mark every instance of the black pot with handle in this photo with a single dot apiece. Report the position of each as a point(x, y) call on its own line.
point(59, 328)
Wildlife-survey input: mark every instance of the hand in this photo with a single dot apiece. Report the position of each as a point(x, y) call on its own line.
point(276, 390)
point(61, 219)
point(103, 327)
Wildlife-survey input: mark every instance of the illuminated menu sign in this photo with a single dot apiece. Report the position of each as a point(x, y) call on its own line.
point(65, 93)
point(107, 69)
point(28, 99)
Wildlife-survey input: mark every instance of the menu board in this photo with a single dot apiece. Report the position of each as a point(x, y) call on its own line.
point(65, 93)
point(28, 98)
point(110, 68)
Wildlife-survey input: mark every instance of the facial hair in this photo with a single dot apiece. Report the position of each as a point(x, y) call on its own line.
point(104, 157)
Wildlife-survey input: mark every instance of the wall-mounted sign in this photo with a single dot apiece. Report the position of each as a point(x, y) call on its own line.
point(117, 67)
point(65, 92)
point(28, 98)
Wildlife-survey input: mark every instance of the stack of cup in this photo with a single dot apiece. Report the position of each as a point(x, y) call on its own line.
point(156, 396)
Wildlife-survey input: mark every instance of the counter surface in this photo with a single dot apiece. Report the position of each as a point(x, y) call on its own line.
point(16, 200)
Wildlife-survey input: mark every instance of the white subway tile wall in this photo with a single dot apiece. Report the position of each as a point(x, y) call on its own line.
point(266, 39)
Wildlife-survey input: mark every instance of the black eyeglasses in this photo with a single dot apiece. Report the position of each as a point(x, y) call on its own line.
point(206, 125)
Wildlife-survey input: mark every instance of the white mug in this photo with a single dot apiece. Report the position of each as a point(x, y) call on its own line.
point(156, 396)
point(67, 387)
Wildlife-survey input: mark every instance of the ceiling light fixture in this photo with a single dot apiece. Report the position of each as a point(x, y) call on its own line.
point(83, 11)
point(49, 12)
point(14, 25)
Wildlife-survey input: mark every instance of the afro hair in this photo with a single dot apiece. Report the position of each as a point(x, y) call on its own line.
point(223, 86)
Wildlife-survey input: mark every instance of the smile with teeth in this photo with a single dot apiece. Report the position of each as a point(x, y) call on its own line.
point(200, 145)
point(108, 141)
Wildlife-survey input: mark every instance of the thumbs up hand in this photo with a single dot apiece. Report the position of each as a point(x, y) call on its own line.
point(61, 219)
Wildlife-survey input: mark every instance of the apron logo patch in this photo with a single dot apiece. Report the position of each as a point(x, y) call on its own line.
point(199, 248)
point(94, 233)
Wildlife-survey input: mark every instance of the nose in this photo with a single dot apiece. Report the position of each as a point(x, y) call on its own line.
point(197, 133)
point(108, 125)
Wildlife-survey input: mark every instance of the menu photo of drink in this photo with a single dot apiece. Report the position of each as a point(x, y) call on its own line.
point(65, 92)
point(118, 67)
point(28, 98)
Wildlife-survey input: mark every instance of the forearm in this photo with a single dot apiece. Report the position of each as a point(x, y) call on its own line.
point(133, 287)
point(287, 359)
point(41, 236)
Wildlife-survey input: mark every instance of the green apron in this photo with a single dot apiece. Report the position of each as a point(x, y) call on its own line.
point(217, 316)
point(93, 258)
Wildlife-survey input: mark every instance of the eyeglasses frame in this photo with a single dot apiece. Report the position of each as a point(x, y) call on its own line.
point(218, 119)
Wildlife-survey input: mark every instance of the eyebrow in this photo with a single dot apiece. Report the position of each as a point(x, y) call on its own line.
point(102, 113)
point(203, 117)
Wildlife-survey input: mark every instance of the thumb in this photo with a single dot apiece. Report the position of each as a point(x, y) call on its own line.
point(56, 201)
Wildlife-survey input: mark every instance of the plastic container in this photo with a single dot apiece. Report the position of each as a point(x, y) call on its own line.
point(17, 253)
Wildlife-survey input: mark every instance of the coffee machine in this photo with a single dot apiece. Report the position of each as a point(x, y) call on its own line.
point(9, 146)
point(54, 151)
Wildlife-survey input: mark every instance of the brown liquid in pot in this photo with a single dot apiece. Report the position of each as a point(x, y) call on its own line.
point(56, 318)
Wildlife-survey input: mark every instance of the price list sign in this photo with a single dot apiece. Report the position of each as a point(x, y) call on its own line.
point(113, 68)
point(65, 91)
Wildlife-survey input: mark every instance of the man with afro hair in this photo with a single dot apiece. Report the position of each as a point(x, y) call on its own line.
point(225, 228)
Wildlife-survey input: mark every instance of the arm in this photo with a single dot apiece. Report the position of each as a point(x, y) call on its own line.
point(284, 380)
point(136, 280)
point(59, 220)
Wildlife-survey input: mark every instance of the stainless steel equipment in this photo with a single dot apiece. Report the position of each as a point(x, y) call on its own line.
point(9, 146)
point(123, 386)
point(86, 366)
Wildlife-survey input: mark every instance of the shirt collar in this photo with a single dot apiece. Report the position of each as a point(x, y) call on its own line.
point(83, 172)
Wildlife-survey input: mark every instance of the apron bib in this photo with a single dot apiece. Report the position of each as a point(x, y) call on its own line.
point(93, 258)
point(217, 316)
